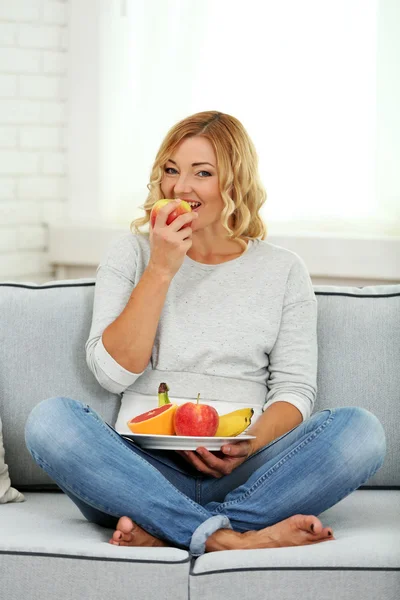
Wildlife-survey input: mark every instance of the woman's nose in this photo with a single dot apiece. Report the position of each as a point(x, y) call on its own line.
point(182, 186)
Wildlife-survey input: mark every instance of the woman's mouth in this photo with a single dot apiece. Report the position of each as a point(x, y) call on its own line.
point(194, 205)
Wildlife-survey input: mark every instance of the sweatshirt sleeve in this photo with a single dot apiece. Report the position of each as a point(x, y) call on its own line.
point(114, 285)
point(293, 358)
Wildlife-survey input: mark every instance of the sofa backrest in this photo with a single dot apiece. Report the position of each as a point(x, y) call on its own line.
point(43, 331)
point(44, 328)
point(359, 360)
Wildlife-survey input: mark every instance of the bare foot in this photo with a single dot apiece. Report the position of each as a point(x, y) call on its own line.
point(129, 533)
point(299, 530)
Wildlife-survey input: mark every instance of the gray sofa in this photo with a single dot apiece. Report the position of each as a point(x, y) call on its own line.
point(48, 549)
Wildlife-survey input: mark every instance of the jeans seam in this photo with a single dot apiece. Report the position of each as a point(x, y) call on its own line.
point(265, 476)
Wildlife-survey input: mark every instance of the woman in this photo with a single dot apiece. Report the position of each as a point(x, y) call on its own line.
point(207, 305)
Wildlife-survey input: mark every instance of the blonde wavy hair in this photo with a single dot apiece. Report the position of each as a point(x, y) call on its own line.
point(237, 165)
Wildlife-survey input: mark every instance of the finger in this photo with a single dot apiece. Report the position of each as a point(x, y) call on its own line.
point(212, 461)
point(162, 215)
point(181, 453)
point(184, 233)
point(202, 466)
point(237, 449)
point(182, 220)
point(187, 456)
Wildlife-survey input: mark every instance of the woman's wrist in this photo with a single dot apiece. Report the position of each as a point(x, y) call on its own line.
point(159, 273)
point(278, 419)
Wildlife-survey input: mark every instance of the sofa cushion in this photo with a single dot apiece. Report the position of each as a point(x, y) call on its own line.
point(44, 328)
point(49, 550)
point(363, 561)
point(359, 360)
point(43, 331)
point(7, 492)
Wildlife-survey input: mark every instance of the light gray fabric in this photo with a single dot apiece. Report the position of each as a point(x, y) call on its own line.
point(310, 584)
point(7, 492)
point(47, 534)
point(254, 308)
point(49, 550)
point(359, 359)
point(362, 562)
point(366, 525)
point(43, 330)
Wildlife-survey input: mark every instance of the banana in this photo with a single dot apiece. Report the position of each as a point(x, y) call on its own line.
point(163, 394)
point(234, 422)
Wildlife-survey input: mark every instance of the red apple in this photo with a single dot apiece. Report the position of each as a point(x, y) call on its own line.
point(181, 209)
point(196, 419)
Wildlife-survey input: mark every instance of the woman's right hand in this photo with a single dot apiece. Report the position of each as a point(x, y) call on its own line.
point(170, 243)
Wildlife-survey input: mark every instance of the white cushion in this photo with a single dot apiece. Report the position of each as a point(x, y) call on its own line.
point(7, 492)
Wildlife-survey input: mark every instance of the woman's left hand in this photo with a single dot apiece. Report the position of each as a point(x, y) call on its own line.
point(218, 464)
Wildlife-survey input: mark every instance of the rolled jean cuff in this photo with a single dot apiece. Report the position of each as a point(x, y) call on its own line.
point(203, 531)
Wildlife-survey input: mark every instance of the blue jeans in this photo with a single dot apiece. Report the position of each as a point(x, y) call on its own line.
point(305, 471)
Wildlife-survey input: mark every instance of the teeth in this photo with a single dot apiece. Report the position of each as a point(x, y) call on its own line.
point(194, 204)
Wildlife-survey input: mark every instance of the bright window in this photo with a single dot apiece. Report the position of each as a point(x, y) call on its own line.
point(300, 75)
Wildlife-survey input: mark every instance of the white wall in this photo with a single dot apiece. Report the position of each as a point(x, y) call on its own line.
point(33, 66)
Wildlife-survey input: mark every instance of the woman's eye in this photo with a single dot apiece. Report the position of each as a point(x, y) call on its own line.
point(168, 169)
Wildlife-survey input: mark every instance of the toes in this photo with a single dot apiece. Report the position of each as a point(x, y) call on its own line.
point(320, 534)
point(129, 533)
point(313, 525)
point(117, 536)
point(111, 541)
point(125, 525)
point(308, 523)
point(125, 532)
point(328, 532)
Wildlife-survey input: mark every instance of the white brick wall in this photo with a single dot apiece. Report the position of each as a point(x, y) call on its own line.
point(33, 69)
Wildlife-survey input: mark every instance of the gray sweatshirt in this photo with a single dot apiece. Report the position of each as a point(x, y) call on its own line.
point(242, 333)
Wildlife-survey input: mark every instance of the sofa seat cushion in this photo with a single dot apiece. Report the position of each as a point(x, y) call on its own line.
point(363, 561)
point(49, 550)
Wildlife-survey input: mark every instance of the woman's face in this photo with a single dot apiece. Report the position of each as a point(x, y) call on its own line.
point(191, 174)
